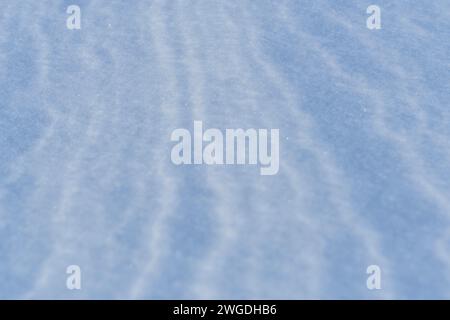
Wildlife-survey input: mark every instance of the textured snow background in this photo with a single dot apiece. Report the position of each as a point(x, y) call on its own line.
point(85, 170)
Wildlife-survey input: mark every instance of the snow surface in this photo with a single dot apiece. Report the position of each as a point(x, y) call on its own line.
point(85, 170)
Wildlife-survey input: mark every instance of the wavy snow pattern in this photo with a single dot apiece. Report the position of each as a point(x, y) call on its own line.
point(85, 170)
